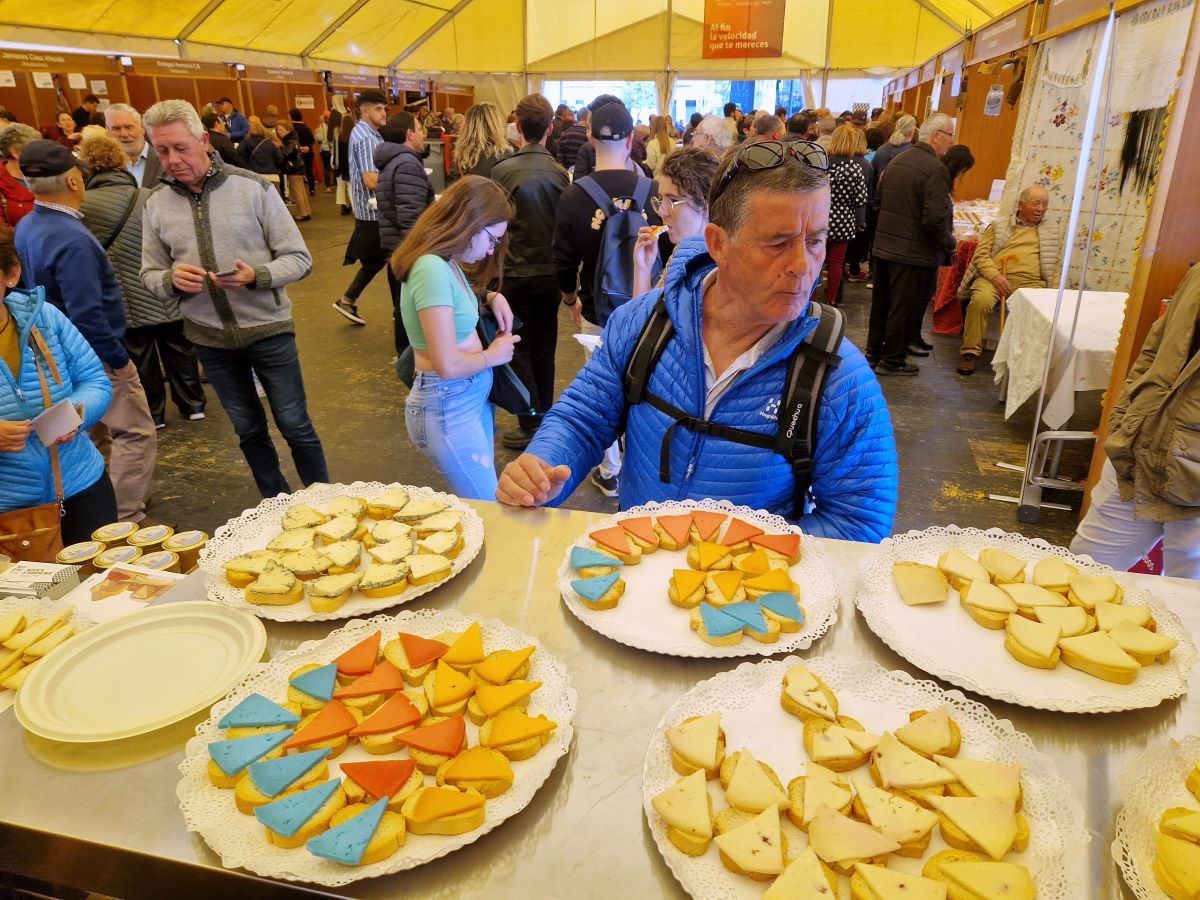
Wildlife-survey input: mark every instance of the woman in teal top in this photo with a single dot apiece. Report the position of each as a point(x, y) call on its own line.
point(457, 242)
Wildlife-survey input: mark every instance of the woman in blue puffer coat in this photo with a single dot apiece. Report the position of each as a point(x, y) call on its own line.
point(26, 477)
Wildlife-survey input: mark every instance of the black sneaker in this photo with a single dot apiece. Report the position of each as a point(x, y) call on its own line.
point(915, 349)
point(906, 369)
point(350, 311)
point(605, 484)
point(922, 343)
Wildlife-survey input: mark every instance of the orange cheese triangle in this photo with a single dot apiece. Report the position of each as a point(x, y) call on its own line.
point(493, 698)
point(739, 531)
point(435, 803)
point(333, 721)
point(753, 563)
point(477, 764)
point(783, 544)
point(396, 713)
point(467, 650)
point(706, 523)
point(727, 583)
point(359, 659)
point(774, 580)
point(450, 685)
point(688, 581)
point(614, 539)
point(676, 526)
point(380, 779)
point(642, 527)
point(443, 738)
point(512, 726)
point(709, 553)
point(503, 664)
point(384, 679)
point(420, 650)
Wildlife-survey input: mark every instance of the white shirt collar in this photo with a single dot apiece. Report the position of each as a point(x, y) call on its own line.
point(716, 387)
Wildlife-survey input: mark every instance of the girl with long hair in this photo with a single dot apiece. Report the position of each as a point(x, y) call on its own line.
point(661, 144)
point(481, 142)
point(455, 248)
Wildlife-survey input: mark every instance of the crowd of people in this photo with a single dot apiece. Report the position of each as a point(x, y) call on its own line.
point(148, 249)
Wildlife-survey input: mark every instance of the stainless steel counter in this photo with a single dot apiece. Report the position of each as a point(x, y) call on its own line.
point(104, 817)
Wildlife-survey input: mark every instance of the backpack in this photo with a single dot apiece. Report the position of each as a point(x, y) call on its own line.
point(612, 283)
point(807, 373)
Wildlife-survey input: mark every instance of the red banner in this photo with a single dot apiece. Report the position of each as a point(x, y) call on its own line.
point(737, 29)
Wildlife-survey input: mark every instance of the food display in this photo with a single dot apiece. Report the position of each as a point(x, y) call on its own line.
point(832, 777)
point(29, 630)
point(705, 579)
point(339, 550)
point(421, 731)
point(1022, 621)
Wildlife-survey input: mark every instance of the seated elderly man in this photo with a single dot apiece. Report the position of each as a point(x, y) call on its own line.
point(1013, 253)
point(700, 375)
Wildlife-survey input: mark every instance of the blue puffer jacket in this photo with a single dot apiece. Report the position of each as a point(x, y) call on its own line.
point(854, 469)
point(26, 478)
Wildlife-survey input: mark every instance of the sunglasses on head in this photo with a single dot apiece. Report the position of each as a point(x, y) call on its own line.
point(765, 155)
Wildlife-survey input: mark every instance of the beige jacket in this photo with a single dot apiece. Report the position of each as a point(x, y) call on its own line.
point(993, 241)
point(1154, 431)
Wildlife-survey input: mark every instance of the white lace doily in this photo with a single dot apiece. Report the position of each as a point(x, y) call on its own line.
point(646, 619)
point(944, 641)
point(1150, 784)
point(254, 528)
point(748, 700)
point(240, 840)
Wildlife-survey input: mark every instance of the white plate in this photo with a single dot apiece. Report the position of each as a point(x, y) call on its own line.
point(38, 608)
point(646, 619)
point(140, 672)
point(240, 840)
point(944, 641)
point(748, 700)
point(254, 528)
point(1150, 784)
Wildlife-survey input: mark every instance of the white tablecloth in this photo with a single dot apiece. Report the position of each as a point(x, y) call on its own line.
point(1084, 366)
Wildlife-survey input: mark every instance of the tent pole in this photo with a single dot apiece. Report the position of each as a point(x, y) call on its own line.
point(828, 50)
point(429, 32)
point(525, 43)
point(670, 90)
point(337, 23)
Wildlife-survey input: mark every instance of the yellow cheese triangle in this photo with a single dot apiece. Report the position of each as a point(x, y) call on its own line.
point(805, 691)
point(750, 788)
point(1053, 573)
point(774, 580)
point(1092, 589)
point(1072, 620)
point(901, 768)
point(885, 882)
point(435, 803)
point(862, 741)
point(697, 741)
point(688, 581)
point(983, 778)
point(756, 846)
point(837, 838)
point(957, 564)
point(829, 745)
point(493, 698)
point(1099, 647)
point(709, 553)
point(477, 764)
point(920, 584)
point(989, 821)
point(803, 878)
point(753, 563)
point(1029, 595)
point(1002, 565)
point(1038, 638)
point(991, 880)
point(1135, 639)
point(727, 583)
point(1186, 827)
point(685, 805)
point(1109, 615)
point(512, 726)
point(823, 788)
point(467, 650)
point(986, 595)
point(450, 685)
point(1181, 860)
point(503, 664)
point(895, 817)
point(928, 734)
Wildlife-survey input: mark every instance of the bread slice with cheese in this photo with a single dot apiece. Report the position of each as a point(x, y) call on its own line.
point(296, 539)
point(392, 552)
point(301, 515)
point(983, 778)
point(442, 543)
point(708, 556)
point(428, 568)
point(387, 504)
point(986, 604)
point(275, 586)
point(1002, 566)
point(730, 766)
point(753, 787)
point(1088, 590)
point(478, 769)
point(344, 557)
point(242, 570)
point(516, 734)
point(686, 588)
point(1177, 867)
point(340, 528)
point(387, 531)
point(961, 569)
point(931, 733)
point(1071, 620)
point(1099, 655)
point(843, 843)
point(1110, 615)
point(920, 585)
point(416, 509)
point(329, 592)
point(698, 743)
point(881, 883)
point(1143, 645)
point(347, 506)
point(835, 744)
point(990, 824)
point(388, 837)
point(895, 767)
point(983, 880)
point(805, 696)
point(1030, 596)
point(446, 520)
point(305, 564)
point(1054, 574)
point(444, 810)
point(817, 787)
point(1032, 643)
point(756, 849)
point(382, 580)
point(805, 877)
point(686, 807)
point(895, 817)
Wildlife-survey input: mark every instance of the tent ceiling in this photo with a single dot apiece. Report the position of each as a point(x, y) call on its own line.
point(573, 37)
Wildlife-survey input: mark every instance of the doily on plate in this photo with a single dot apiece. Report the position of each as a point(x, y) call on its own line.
point(255, 527)
point(238, 839)
point(959, 651)
point(1150, 784)
point(663, 628)
point(40, 607)
point(748, 698)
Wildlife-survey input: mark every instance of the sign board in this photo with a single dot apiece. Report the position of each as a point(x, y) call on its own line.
point(928, 71)
point(1002, 36)
point(7, 78)
point(76, 81)
point(99, 88)
point(741, 29)
point(1063, 12)
point(43, 80)
point(997, 190)
point(184, 67)
point(411, 84)
point(31, 61)
point(304, 101)
point(444, 88)
point(347, 79)
point(274, 73)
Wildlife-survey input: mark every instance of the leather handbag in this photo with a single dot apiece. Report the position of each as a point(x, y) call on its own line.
point(34, 534)
point(508, 391)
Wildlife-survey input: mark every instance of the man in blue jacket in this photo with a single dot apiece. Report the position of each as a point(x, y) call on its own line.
point(739, 302)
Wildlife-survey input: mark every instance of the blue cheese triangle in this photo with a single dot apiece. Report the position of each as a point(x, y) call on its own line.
point(585, 558)
point(233, 756)
point(595, 588)
point(257, 711)
point(347, 842)
point(317, 682)
point(271, 776)
point(288, 814)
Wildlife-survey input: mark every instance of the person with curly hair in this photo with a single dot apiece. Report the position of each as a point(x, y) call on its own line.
point(481, 142)
point(682, 202)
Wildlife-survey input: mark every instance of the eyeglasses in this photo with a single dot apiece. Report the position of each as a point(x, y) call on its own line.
point(493, 241)
point(949, 134)
point(766, 155)
point(664, 205)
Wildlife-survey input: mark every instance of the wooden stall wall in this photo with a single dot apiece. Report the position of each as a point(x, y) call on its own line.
point(459, 97)
point(989, 137)
point(949, 86)
point(282, 87)
point(149, 80)
point(61, 75)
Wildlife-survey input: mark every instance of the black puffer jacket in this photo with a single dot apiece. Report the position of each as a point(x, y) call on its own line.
point(915, 210)
point(108, 198)
point(403, 191)
point(536, 181)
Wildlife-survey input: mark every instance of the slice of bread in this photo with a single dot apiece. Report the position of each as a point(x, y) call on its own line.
point(275, 586)
point(389, 835)
point(1099, 655)
point(687, 809)
point(427, 568)
point(697, 743)
point(440, 810)
point(805, 696)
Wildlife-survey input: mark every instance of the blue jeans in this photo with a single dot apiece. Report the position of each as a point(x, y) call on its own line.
point(277, 363)
point(451, 422)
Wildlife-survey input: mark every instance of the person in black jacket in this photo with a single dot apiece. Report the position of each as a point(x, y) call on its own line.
point(403, 192)
point(910, 243)
point(536, 181)
point(219, 140)
point(308, 147)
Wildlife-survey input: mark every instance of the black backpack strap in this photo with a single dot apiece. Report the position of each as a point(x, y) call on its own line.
point(599, 196)
point(808, 370)
point(647, 351)
point(641, 192)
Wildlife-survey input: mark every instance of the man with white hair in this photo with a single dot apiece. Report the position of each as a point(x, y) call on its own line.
point(712, 134)
point(125, 125)
point(913, 237)
point(219, 240)
point(826, 126)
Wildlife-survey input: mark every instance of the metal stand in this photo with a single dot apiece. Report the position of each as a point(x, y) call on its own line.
point(1046, 458)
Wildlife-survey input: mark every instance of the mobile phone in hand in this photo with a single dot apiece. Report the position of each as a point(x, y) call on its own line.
point(227, 272)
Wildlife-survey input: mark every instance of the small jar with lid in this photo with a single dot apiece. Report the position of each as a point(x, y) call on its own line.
point(114, 555)
point(188, 545)
point(82, 555)
point(150, 538)
point(160, 561)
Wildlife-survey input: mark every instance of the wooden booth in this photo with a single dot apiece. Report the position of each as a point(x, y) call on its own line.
point(149, 79)
point(459, 97)
point(285, 89)
point(409, 92)
point(36, 86)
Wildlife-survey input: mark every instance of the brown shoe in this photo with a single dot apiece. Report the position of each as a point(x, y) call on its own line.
point(966, 365)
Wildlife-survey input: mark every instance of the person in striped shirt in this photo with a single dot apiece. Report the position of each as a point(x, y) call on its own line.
point(364, 247)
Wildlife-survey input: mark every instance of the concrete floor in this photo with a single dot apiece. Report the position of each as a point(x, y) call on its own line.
point(949, 429)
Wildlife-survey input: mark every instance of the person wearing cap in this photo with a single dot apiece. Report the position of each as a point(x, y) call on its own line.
point(585, 159)
point(59, 254)
point(364, 247)
point(237, 126)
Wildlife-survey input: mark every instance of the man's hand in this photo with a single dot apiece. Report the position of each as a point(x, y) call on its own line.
point(1003, 288)
point(188, 279)
point(370, 180)
point(575, 308)
point(241, 278)
point(14, 435)
point(529, 481)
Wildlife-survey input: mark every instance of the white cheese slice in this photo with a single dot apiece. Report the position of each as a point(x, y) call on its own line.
point(862, 741)
point(303, 562)
point(440, 542)
point(1186, 827)
point(448, 520)
point(991, 822)
point(252, 563)
point(378, 575)
point(296, 539)
point(1092, 589)
point(756, 846)
point(928, 734)
point(1003, 566)
point(1109, 615)
point(418, 509)
point(991, 880)
point(274, 579)
point(387, 530)
point(1181, 859)
point(827, 747)
point(823, 788)
point(986, 595)
point(902, 769)
point(750, 788)
point(894, 816)
point(395, 498)
point(332, 585)
point(920, 584)
point(339, 528)
point(301, 515)
point(838, 838)
point(685, 806)
point(343, 553)
point(1039, 638)
point(1099, 647)
point(697, 741)
point(1135, 639)
point(1072, 620)
point(424, 565)
point(805, 691)
point(957, 564)
point(1031, 595)
point(393, 551)
point(346, 506)
point(1053, 573)
point(983, 778)
point(889, 883)
point(803, 879)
